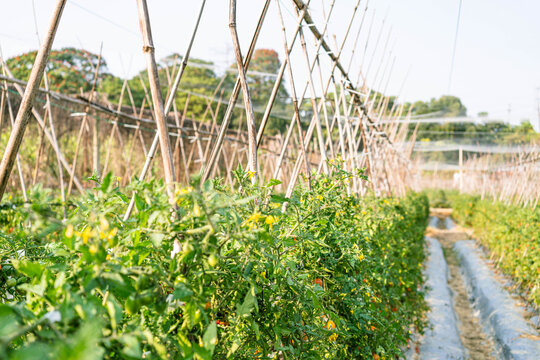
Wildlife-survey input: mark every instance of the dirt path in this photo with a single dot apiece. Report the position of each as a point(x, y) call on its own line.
point(478, 345)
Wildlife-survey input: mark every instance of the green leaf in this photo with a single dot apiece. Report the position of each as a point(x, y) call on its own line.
point(210, 337)
point(250, 303)
point(182, 292)
point(279, 198)
point(139, 203)
point(202, 353)
point(156, 238)
point(185, 345)
point(273, 182)
point(83, 345)
point(8, 321)
point(33, 351)
point(132, 346)
point(106, 183)
point(38, 289)
point(236, 344)
point(255, 327)
point(28, 268)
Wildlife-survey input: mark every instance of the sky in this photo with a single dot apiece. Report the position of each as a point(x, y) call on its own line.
point(497, 59)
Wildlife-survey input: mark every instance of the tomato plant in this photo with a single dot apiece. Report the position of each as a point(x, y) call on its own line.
point(511, 233)
point(227, 274)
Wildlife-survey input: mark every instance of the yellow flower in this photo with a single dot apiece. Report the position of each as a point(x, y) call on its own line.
point(330, 325)
point(270, 220)
point(183, 191)
point(104, 224)
point(112, 233)
point(109, 236)
point(255, 217)
point(332, 337)
point(86, 234)
point(361, 257)
point(69, 231)
point(364, 212)
point(251, 174)
point(108, 257)
point(252, 220)
point(196, 210)
point(93, 249)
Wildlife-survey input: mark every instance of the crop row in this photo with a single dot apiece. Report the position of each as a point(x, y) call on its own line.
point(511, 233)
point(227, 274)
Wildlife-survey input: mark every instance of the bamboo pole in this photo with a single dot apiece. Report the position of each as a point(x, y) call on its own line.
point(43, 126)
point(336, 63)
point(279, 77)
point(84, 123)
point(294, 98)
point(95, 131)
point(250, 116)
point(157, 99)
point(17, 159)
point(38, 156)
point(2, 105)
point(48, 111)
point(313, 98)
point(290, 128)
point(172, 95)
point(53, 133)
point(234, 96)
point(180, 141)
point(23, 115)
point(115, 125)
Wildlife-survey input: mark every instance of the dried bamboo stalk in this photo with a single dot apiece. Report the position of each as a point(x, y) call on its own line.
point(23, 115)
point(157, 99)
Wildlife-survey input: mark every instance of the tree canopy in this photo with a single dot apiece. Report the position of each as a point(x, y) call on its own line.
point(69, 69)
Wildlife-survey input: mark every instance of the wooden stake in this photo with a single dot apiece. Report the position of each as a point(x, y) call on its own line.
point(250, 116)
point(23, 115)
point(157, 98)
point(234, 96)
point(172, 95)
point(84, 124)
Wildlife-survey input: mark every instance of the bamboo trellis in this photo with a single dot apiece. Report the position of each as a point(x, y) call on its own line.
point(343, 121)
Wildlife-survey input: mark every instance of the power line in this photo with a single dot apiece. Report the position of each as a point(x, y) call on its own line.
point(455, 45)
point(104, 18)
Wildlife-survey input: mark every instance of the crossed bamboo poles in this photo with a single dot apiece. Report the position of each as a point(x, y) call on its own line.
point(338, 104)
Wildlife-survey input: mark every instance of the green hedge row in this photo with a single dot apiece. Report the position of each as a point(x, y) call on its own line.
point(227, 275)
point(511, 233)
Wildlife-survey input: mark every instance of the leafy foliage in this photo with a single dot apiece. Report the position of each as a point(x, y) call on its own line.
point(511, 233)
point(227, 275)
point(68, 69)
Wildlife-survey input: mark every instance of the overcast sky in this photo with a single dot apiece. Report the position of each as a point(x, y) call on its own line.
point(497, 64)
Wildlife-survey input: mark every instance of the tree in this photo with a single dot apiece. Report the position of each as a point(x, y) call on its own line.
point(69, 69)
point(199, 79)
point(445, 106)
point(261, 77)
